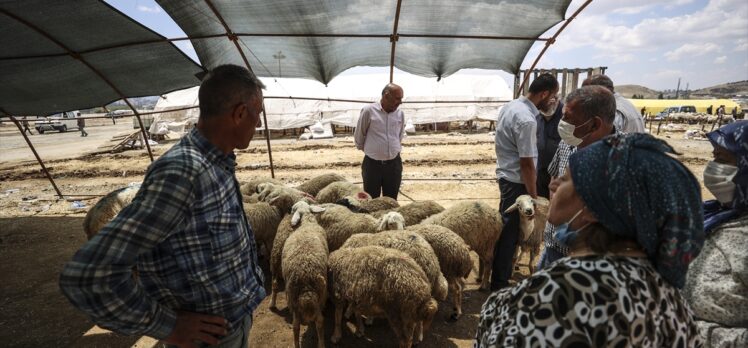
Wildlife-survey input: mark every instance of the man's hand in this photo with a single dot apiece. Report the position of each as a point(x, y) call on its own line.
point(194, 327)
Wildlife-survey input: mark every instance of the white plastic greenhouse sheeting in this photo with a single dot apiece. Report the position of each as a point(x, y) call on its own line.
point(295, 113)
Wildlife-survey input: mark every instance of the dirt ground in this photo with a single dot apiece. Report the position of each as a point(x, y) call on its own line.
point(39, 233)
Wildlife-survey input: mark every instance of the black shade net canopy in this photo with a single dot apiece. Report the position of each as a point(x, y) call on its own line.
point(320, 39)
point(66, 55)
point(62, 55)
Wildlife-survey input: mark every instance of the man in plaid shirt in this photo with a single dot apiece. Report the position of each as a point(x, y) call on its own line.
point(198, 280)
point(589, 114)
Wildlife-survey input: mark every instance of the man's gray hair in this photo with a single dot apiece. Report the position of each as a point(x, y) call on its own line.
point(224, 87)
point(599, 80)
point(388, 88)
point(594, 101)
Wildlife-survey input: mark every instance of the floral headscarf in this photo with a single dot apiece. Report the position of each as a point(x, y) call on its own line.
point(637, 190)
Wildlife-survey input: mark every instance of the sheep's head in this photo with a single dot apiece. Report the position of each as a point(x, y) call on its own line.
point(302, 208)
point(526, 206)
point(264, 189)
point(391, 221)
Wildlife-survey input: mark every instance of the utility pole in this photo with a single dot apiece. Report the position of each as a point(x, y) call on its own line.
point(279, 56)
point(677, 89)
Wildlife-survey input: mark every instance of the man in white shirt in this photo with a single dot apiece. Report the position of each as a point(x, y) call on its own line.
point(516, 163)
point(379, 134)
point(628, 119)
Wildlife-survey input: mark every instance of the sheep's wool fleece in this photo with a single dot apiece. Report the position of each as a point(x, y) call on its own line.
point(373, 275)
point(412, 244)
point(450, 249)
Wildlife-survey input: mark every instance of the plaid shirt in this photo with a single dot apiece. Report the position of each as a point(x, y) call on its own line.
point(557, 169)
point(188, 237)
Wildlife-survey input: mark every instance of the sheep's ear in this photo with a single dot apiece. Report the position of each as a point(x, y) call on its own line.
point(363, 196)
point(295, 219)
point(316, 208)
point(512, 208)
point(273, 200)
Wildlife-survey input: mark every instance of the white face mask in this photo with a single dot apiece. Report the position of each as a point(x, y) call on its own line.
point(566, 132)
point(718, 180)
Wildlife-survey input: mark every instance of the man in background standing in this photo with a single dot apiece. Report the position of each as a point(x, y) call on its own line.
point(379, 134)
point(81, 125)
point(516, 156)
point(627, 119)
point(26, 128)
point(548, 140)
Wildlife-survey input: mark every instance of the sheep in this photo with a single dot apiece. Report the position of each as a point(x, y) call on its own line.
point(392, 221)
point(107, 208)
point(339, 190)
point(340, 223)
point(249, 189)
point(414, 212)
point(479, 225)
point(316, 184)
point(304, 268)
point(281, 196)
point(533, 214)
point(454, 259)
point(412, 244)
point(276, 257)
point(370, 206)
point(264, 219)
point(381, 281)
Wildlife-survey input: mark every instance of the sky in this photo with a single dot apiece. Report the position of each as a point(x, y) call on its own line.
point(645, 42)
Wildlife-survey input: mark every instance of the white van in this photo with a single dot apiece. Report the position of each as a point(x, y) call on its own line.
point(59, 122)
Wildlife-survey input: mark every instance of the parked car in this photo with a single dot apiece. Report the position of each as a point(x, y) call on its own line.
point(675, 109)
point(59, 122)
point(119, 113)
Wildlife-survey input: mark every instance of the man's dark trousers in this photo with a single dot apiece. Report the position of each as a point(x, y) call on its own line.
point(382, 177)
point(505, 247)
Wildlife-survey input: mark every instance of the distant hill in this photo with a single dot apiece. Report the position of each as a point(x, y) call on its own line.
point(725, 90)
point(629, 90)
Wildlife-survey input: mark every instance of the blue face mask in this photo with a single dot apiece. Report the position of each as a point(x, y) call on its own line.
point(564, 234)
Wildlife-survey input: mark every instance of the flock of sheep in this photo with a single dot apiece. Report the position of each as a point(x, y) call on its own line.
point(328, 240)
point(697, 118)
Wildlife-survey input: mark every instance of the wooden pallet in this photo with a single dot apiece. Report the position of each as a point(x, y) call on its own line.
point(122, 142)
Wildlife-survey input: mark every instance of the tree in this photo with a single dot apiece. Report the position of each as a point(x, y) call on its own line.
point(660, 96)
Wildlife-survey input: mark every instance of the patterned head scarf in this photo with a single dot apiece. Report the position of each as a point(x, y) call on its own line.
point(733, 138)
point(636, 190)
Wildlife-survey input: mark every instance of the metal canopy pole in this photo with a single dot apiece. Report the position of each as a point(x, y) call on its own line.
point(77, 56)
point(233, 37)
point(38, 159)
point(394, 39)
point(552, 40)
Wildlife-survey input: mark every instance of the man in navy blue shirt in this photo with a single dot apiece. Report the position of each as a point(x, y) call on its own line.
point(548, 140)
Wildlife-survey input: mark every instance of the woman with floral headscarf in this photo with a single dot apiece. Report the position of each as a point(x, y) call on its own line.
point(717, 283)
point(631, 215)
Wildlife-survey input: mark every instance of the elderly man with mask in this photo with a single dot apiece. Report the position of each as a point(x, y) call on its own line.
point(589, 114)
point(516, 156)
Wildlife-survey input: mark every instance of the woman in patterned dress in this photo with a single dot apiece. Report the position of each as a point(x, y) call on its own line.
point(717, 283)
point(631, 216)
